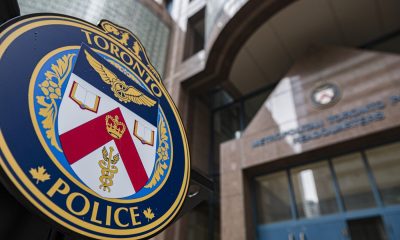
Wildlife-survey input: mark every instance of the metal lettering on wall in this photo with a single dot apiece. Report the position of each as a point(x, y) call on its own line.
point(334, 123)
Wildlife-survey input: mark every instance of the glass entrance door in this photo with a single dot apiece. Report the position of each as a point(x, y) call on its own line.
point(367, 229)
point(346, 197)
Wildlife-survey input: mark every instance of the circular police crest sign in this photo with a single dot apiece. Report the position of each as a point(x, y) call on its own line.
point(89, 136)
point(325, 95)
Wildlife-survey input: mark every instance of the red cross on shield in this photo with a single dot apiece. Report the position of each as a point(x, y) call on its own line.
point(109, 144)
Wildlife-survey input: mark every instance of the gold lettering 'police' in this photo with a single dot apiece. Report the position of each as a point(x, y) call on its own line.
point(90, 209)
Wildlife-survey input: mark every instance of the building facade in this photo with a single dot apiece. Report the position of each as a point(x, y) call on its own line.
point(147, 19)
point(291, 107)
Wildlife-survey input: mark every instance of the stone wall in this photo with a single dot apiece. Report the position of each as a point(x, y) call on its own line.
point(290, 128)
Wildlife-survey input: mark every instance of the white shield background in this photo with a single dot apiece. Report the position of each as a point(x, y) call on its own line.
point(71, 115)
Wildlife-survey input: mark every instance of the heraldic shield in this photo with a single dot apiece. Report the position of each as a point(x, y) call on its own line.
point(107, 127)
point(90, 138)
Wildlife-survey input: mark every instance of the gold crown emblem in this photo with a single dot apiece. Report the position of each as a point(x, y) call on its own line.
point(114, 127)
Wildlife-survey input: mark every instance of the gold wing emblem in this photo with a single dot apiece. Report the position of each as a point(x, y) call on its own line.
point(122, 91)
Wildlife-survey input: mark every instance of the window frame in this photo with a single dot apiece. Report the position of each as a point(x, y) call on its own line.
point(338, 195)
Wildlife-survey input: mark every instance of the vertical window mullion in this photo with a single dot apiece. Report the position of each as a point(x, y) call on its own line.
point(212, 142)
point(256, 213)
point(242, 117)
point(293, 206)
point(336, 186)
point(372, 181)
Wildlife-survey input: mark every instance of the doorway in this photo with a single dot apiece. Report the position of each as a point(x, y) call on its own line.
point(355, 196)
point(371, 228)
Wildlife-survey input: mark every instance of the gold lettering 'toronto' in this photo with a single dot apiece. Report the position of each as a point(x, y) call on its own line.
point(156, 90)
point(114, 50)
point(140, 70)
point(126, 57)
point(87, 35)
point(119, 216)
point(101, 42)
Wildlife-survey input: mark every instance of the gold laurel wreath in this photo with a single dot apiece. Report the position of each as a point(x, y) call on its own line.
point(162, 152)
point(51, 89)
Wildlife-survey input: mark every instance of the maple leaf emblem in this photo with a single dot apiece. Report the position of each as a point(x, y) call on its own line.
point(148, 214)
point(39, 174)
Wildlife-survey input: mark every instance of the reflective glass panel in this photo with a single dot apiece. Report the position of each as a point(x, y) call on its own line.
point(353, 182)
point(273, 200)
point(253, 105)
point(385, 165)
point(226, 126)
point(314, 190)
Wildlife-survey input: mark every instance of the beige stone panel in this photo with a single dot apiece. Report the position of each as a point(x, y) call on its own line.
point(230, 156)
point(257, 155)
point(199, 138)
point(256, 124)
point(232, 218)
point(356, 92)
point(356, 72)
point(305, 113)
point(285, 147)
point(325, 61)
point(393, 68)
point(231, 183)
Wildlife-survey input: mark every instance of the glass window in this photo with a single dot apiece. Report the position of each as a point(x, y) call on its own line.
point(227, 123)
point(168, 5)
point(194, 41)
point(314, 190)
point(253, 105)
point(218, 97)
point(385, 165)
point(226, 127)
point(353, 182)
point(273, 200)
